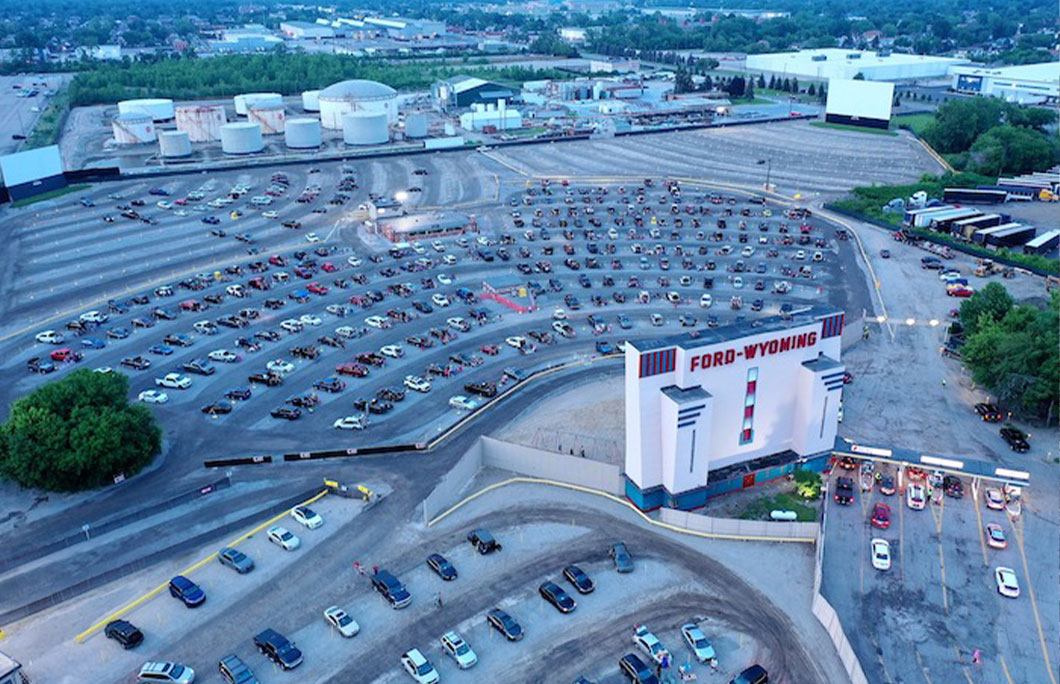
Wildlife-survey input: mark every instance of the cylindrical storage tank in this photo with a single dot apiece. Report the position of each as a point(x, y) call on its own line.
point(267, 115)
point(242, 101)
point(174, 144)
point(302, 133)
point(355, 96)
point(365, 128)
point(202, 124)
point(160, 109)
point(416, 125)
point(241, 138)
point(133, 127)
point(311, 100)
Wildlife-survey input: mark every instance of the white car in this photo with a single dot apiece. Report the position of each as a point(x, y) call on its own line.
point(174, 381)
point(309, 319)
point(236, 290)
point(650, 644)
point(449, 260)
point(1007, 584)
point(50, 337)
point(881, 554)
point(280, 366)
point(291, 325)
point(153, 397)
point(345, 331)
point(355, 422)
point(180, 212)
point(559, 315)
point(698, 642)
point(458, 323)
point(224, 355)
point(354, 261)
point(657, 320)
point(312, 237)
point(94, 317)
point(284, 538)
point(673, 297)
point(378, 322)
point(914, 496)
point(800, 255)
point(705, 301)
point(994, 499)
point(454, 646)
point(516, 341)
point(439, 299)
point(417, 384)
point(269, 214)
point(437, 246)
point(445, 279)
point(394, 351)
point(737, 282)
point(205, 327)
point(463, 403)
point(995, 536)
point(747, 251)
point(306, 516)
point(162, 204)
point(341, 621)
point(418, 667)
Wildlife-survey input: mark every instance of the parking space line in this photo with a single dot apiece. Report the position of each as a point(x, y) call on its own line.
point(964, 668)
point(942, 556)
point(1017, 532)
point(80, 638)
point(982, 540)
point(1004, 668)
point(588, 490)
point(923, 670)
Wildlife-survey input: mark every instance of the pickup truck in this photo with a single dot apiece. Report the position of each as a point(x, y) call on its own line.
point(278, 649)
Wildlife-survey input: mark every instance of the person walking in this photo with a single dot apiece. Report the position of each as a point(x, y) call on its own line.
point(975, 657)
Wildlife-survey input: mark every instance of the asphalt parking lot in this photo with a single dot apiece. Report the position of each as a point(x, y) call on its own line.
point(620, 260)
point(18, 113)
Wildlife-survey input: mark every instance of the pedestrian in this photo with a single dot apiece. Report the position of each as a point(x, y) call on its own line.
point(375, 569)
point(975, 657)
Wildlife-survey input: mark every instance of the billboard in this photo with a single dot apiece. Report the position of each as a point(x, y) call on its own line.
point(30, 166)
point(856, 100)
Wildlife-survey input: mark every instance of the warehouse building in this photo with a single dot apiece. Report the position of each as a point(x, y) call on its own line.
point(400, 28)
point(306, 30)
point(1024, 84)
point(488, 117)
point(836, 63)
point(759, 398)
point(399, 228)
point(464, 91)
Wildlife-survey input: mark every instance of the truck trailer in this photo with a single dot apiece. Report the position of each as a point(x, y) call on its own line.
point(980, 195)
point(979, 237)
point(1015, 236)
point(966, 227)
point(1043, 244)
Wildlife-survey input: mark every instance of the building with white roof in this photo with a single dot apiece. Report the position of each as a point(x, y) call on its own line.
point(836, 63)
point(1024, 84)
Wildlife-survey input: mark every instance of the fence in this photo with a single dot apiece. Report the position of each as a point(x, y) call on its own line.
point(533, 462)
point(452, 483)
point(800, 531)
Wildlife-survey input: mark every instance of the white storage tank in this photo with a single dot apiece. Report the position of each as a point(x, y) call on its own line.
point(242, 101)
point(302, 133)
point(133, 127)
point(311, 100)
point(365, 128)
point(174, 144)
point(267, 114)
point(416, 125)
point(160, 109)
point(202, 124)
point(355, 96)
point(241, 138)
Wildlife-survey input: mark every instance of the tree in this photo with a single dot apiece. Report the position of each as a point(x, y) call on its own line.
point(77, 433)
point(988, 305)
point(761, 81)
point(749, 91)
point(785, 85)
point(807, 484)
point(736, 86)
point(708, 83)
point(1009, 149)
point(859, 76)
point(773, 82)
point(812, 90)
point(795, 85)
point(683, 81)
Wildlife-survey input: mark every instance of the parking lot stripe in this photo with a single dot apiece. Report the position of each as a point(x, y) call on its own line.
point(982, 535)
point(1017, 532)
point(588, 490)
point(964, 668)
point(80, 638)
point(901, 530)
point(942, 557)
point(923, 670)
point(1004, 668)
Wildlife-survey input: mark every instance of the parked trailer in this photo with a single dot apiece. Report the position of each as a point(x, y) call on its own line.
point(944, 220)
point(1043, 244)
point(979, 237)
point(1018, 192)
point(1015, 236)
point(966, 227)
point(974, 195)
point(912, 216)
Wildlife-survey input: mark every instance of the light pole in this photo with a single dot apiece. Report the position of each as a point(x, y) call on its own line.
point(769, 170)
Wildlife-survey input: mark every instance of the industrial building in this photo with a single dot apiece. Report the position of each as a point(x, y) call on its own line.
point(160, 109)
point(342, 98)
point(201, 123)
point(573, 34)
point(614, 66)
point(133, 127)
point(418, 226)
point(174, 144)
point(302, 133)
point(1024, 84)
point(241, 137)
point(491, 118)
point(701, 403)
point(859, 103)
point(306, 30)
point(30, 173)
point(365, 128)
point(464, 91)
point(249, 38)
point(829, 63)
point(400, 28)
point(243, 101)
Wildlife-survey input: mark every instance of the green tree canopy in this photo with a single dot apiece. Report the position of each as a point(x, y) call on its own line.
point(77, 433)
point(985, 307)
point(1010, 149)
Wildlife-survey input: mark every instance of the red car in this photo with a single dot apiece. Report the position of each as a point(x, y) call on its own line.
point(354, 369)
point(490, 349)
point(303, 272)
point(277, 260)
point(65, 354)
point(881, 516)
point(328, 267)
point(317, 288)
point(960, 292)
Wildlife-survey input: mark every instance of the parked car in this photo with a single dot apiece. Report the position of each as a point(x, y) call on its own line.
point(189, 593)
point(620, 556)
point(235, 559)
point(124, 632)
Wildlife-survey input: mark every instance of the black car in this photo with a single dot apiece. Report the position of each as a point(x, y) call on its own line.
point(200, 366)
point(1015, 438)
point(391, 589)
point(953, 486)
point(576, 576)
point(621, 557)
point(217, 407)
point(483, 541)
point(636, 670)
point(756, 674)
point(278, 649)
point(560, 599)
point(441, 566)
point(287, 413)
point(235, 671)
point(505, 624)
point(989, 413)
point(329, 384)
point(485, 389)
point(189, 593)
point(124, 632)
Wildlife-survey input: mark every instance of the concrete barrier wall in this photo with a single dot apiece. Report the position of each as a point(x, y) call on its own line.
point(448, 490)
point(546, 464)
point(742, 528)
point(827, 616)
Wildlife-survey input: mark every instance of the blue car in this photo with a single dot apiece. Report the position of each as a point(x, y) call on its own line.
point(93, 343)
point(604, 347)
point(160, 349)
point(190, 594)
point(118, 333)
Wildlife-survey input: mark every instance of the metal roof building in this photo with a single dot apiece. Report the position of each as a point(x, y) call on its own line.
point(1024, 84)
point(355, 95)
point(836, 63)
point(464, 91)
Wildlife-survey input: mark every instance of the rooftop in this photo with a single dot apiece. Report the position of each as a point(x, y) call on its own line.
point(866, 58)
point(681, 395)
point(1048, 71)
point(727, 333)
